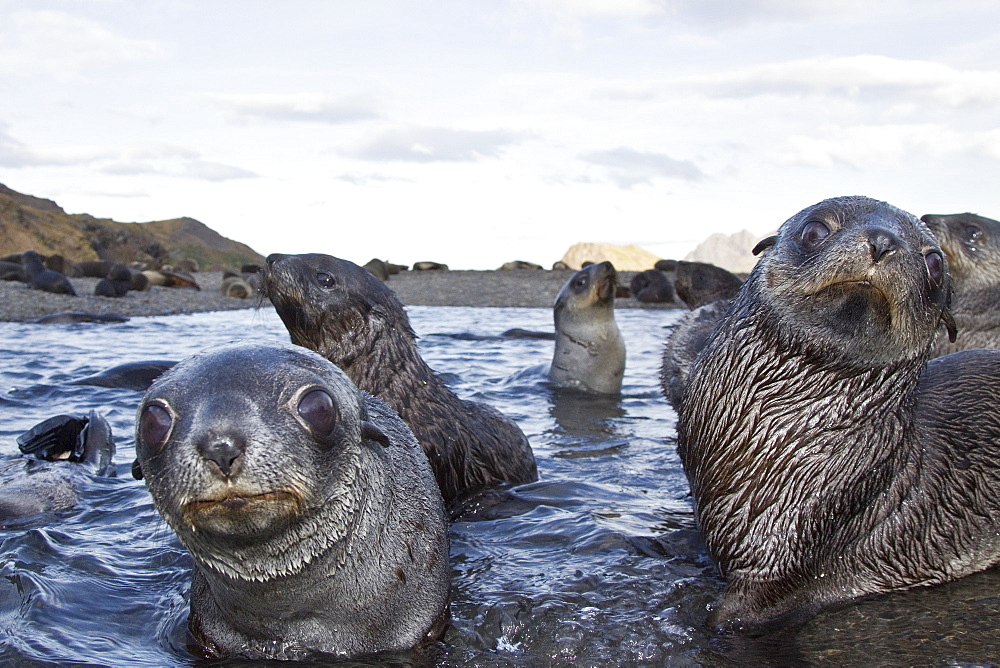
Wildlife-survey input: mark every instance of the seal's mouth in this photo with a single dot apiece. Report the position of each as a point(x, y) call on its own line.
point(237, 503)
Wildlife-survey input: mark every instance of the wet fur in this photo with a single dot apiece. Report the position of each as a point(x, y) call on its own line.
point(827, 459)
point(333, 543)
point(361, 326)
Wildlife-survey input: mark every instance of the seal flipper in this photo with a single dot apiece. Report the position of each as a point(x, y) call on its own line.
point(54, 439)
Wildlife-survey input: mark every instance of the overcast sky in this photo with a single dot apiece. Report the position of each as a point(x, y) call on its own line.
point(473, 133)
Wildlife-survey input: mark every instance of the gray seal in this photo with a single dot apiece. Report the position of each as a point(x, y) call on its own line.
point(308, 507)
point(589, 351)
point(828, 460)
point(340, 310)
point(972, 245)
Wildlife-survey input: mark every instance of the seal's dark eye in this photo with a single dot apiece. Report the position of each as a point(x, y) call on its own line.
point(814, 233)
point(154, 425)
point(935, 266)
point(973, 232)
point(581, 281)
point(325, 280)
point(317, 409)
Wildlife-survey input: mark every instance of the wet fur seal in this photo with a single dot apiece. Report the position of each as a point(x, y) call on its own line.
point(308, 507)
point(652, 287)
point(972, 245)
point(40, 278)
point(828, 459)
point(60, 451)
point(686, 340)
point(350, 317)
point(589, 351)
point(131, 375)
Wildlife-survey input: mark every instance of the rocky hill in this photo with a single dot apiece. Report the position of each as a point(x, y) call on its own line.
point(33, 223)
point(729, 251)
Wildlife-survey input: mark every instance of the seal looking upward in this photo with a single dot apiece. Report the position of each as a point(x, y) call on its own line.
point(589, 352)
point(308, 507)
point(350, 317)
point(828, 460)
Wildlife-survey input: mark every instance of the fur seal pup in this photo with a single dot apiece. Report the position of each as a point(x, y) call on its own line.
point(828, 460)
point(589, 352)
point(61, 450)
point(698, 283)
point(350, 317)
point(308, 507)
point(40, 278)
point(652, 287)
point(131, 375)
point(972, 245)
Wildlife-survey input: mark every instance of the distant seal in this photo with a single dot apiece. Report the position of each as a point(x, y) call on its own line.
point(131, 375)
point(972, 245)
point(77, 316)
point(828, 460)
point(699, 283)
point(236, 286)
point(350, 317)
point(308, 507)
point(429, 266)
point(44, 279)
point(12, 271)
point(116, 284)
point(652, 287)
point(589, 352)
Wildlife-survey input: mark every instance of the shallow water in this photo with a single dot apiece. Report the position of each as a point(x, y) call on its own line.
point(597, 563)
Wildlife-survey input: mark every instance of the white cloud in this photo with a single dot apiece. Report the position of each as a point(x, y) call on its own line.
point(628, 167)
point(434, 144)
point(59, 44)
point(15, 153)
point(313, 107)
point(201, 170)
point(855, 76)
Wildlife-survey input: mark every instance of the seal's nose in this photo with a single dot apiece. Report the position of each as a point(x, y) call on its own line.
point(882, 243)
point(225, 454)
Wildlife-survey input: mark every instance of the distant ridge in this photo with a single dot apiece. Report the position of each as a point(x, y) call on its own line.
point(33, 223)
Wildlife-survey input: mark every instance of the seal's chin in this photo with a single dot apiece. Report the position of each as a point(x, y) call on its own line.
point(241, 513)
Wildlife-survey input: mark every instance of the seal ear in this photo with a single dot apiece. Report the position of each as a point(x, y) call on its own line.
point(949, 321)
point(372, 433)
point(764, 244)
point(137, 470)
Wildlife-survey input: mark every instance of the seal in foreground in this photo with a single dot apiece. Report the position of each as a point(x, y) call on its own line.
point(589, 352)
point(309, 508)
point(350, 317)
point(827, 459)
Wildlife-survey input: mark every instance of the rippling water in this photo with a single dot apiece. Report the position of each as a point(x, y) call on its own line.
point(598, 563)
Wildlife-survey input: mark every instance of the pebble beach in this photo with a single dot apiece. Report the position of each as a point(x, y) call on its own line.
point(512, 288)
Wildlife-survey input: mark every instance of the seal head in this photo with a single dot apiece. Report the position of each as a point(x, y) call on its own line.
point(309, 509)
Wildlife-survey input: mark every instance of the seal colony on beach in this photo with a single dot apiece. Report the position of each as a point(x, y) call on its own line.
point(589, 352)
point(309, 509)
point(828, 460)
point(350, 317)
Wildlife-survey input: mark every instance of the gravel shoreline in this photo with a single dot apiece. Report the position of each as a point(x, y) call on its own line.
point(519, 288)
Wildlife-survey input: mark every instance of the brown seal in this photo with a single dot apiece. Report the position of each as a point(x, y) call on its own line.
point(828, 460)
point(309, 508)
point(972, 245)
point(350, 317)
